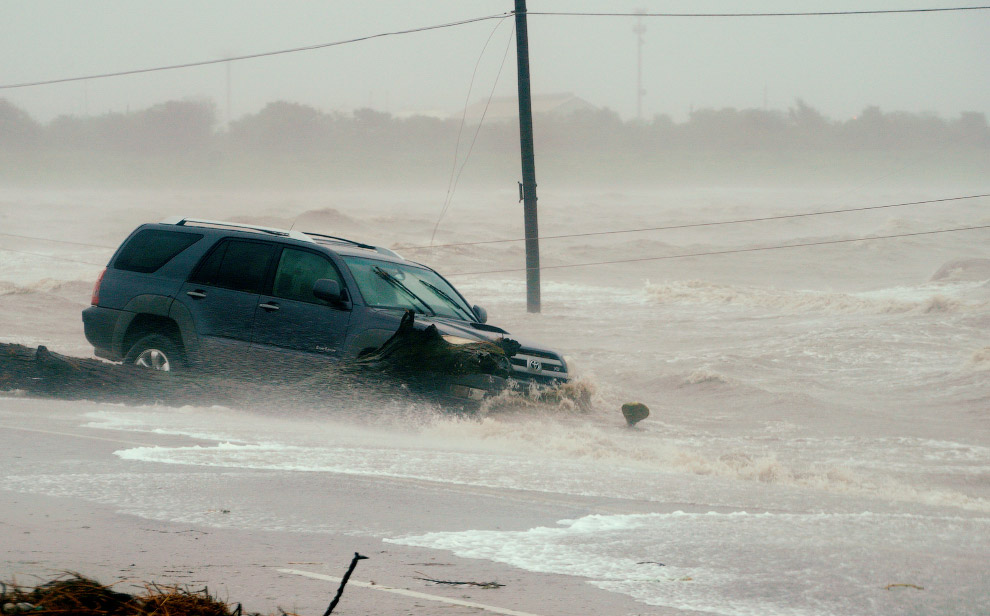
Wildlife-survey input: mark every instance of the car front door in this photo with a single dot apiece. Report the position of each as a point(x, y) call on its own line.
point(291, 318)
point(222, 296)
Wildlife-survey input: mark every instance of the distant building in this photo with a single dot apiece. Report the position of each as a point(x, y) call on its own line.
point(506, 109)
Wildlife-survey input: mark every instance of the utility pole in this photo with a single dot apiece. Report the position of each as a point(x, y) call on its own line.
point(528, 155)
point(639, 29)
point(228, 93)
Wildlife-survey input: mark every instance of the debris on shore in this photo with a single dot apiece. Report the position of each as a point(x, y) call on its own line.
point(75, 595)
point(81, 596)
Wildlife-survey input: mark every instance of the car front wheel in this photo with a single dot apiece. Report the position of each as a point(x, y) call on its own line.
point(157, 352)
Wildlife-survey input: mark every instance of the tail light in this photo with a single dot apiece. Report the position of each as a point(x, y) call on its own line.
point(96, 289)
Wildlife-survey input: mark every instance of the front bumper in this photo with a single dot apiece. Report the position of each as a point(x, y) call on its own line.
point(475, 387)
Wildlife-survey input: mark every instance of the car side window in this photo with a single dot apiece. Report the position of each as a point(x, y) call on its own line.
point(237, 265)
point(297, 271)
point(150, 249)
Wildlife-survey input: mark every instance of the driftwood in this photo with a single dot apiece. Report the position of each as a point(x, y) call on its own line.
point(486, 585)
point(343, 582)
point(413, 362)
point(39, 372)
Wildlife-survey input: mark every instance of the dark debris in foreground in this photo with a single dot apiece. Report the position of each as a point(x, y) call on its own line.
point(413, 364)
point(76, 595)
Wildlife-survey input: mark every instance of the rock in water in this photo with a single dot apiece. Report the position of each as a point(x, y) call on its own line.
point(635, 412)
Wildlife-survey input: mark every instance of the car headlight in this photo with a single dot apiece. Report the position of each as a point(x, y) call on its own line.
point(458, 340)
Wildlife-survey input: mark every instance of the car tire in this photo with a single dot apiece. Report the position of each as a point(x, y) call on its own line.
point(157, 352)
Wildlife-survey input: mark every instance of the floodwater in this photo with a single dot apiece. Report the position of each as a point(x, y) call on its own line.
point(819, 441)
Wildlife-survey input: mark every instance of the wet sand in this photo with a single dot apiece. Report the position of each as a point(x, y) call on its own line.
point(45, 536)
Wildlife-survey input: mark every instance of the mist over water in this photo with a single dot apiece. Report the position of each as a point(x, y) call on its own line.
point(820, 415)
point(819, 437)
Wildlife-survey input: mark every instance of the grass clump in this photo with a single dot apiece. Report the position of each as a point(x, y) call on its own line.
point(76, 595)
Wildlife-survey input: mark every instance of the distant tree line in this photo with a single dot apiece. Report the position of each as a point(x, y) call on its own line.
point(284, 131)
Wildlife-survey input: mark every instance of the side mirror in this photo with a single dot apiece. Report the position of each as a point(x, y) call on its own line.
point(481, 313)
point(328, 290)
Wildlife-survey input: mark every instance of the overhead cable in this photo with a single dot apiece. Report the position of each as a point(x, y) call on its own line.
point(593, 233)
point(254, 55)
point(452, 186)
point(782, 14)
point(48, 239)
point(703, 224)
point(724, 252)
point(55, 257)
point(614, 262)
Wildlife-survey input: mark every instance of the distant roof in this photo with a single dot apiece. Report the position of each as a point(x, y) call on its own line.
point(506, 108)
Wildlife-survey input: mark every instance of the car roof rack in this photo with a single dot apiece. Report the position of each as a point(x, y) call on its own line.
point(306, 236)
point(344, 240)
point(184, 221)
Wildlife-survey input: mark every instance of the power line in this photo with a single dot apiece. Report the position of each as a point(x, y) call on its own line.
point(255, 55)
point(40, 254)
point(455, 174)
point(703, 224)
point(48, 239)
point(573, 265)
point(726, 252)
point(590, 233)
point(795, 14)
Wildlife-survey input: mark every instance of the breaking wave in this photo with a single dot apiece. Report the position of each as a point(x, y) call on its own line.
point(964, 269)
point(981, 359)
point(890, 301)
point(47, 285)
point(320, 219)
point(703, 376)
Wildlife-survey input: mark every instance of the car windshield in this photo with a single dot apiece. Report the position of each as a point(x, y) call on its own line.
point(385, 284)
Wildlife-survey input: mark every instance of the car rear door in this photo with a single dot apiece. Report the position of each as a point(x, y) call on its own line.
point(290, 318)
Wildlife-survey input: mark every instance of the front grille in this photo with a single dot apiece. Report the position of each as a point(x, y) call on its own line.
point(537, 365)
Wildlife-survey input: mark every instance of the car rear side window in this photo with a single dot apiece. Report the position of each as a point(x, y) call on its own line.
point(150, 249)
point(236, 265)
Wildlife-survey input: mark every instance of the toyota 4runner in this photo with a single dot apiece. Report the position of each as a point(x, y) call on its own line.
point(188, 293)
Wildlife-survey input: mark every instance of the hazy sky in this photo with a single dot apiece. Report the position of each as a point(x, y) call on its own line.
point(916, 62)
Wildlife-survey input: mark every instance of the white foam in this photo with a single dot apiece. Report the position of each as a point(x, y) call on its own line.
point(750, 564)
point(578, 459)
point(215, 423)
point(213, 499)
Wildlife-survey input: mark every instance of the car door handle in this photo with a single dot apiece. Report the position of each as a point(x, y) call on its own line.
point(269, 306)
point(197, 294)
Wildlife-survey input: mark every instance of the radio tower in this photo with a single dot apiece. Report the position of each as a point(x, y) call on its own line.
point(639, 29)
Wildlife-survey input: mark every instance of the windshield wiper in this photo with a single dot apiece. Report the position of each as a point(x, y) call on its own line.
point(395, 282)
point(447, 298)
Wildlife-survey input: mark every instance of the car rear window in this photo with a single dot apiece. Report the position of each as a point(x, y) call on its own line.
point(150, 249)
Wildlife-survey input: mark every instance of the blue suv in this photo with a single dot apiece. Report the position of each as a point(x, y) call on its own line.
point(186, 293)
